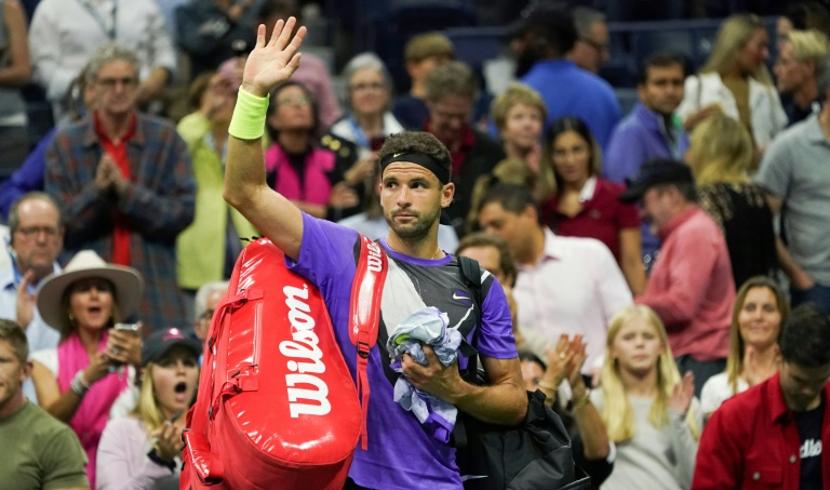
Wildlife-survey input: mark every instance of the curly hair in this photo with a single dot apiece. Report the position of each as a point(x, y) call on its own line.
point(417, 142)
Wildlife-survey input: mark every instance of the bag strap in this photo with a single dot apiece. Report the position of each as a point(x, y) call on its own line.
point(471, 275)
point(364, 317)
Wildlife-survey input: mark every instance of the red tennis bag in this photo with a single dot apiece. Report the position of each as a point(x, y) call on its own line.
point(277, 407)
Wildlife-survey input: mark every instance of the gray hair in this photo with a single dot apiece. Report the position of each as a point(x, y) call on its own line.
point(584, 18)
point(14, 211)
point(108, 53)
point(453, 79)
point(823, 79)
point(363, 61)
point(202, 295)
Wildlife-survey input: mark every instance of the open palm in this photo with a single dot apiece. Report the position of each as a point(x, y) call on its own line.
point(272, 62)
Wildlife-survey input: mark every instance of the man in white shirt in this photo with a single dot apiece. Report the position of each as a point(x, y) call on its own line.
point(35, 241)
point(565, 284)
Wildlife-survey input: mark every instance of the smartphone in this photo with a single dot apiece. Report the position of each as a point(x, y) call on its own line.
point(129, 327)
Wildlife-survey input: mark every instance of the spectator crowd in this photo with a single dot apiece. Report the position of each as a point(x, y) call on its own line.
point(667, 270)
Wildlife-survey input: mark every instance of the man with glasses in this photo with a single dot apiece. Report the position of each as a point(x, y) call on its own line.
point(450, 94)
point(35, 241)
point(592, 46)
point(125, 183)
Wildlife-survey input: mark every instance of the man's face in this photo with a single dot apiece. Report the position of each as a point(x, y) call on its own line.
point(790, 73)
point(448, 116)
point(489, 258)
point(412, 198)
point(12, 374)
point(593, 50)
point(514, 228)
point(662, 91)
point(656, 207)
point(202, 326)
point(802, 386)
point(116, 87)
point(38, 238)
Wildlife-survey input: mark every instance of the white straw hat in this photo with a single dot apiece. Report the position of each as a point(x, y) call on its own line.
point(85, 264)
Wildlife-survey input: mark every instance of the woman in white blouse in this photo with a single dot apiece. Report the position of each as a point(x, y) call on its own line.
point(760, 308)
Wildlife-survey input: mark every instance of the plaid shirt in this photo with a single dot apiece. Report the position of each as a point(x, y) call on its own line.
point(157, 206)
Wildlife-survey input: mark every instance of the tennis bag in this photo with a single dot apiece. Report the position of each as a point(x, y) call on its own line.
point(277, 407)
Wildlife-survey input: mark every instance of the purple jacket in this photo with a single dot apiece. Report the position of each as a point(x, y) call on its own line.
point(639, 137)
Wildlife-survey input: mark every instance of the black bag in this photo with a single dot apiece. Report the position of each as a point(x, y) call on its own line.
point(535, 455)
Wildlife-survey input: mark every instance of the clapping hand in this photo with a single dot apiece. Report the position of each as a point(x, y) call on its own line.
point(681, 396)
point(275, 61)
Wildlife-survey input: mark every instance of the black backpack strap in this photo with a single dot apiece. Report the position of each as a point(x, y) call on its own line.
point(471, 275)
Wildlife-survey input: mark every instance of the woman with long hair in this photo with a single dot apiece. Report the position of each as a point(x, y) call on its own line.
point(735, 81)
point(142, 450)
point(720, 155)
point(586, 205)
point(79, 381)
point(760, 309)
point(650, 412)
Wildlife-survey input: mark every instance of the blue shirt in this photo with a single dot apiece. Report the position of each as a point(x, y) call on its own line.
point(401, 455)
point(27, 178)
point(571, 91)
point(640, 137)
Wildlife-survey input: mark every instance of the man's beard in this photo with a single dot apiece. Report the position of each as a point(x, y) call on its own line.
point(416, 230)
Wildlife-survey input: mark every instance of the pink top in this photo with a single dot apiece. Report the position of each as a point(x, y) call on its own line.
point(314, 188)
point(93, 412)
point(691, 286)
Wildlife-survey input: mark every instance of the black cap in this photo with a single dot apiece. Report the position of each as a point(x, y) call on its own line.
point(656, 172)
point(540, 14)
point(157, 345)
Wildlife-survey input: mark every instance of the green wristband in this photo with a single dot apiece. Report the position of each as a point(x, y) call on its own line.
point(248, 121)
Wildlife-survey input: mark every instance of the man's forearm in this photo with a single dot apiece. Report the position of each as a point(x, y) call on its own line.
point(504, 404)
point(798, 276)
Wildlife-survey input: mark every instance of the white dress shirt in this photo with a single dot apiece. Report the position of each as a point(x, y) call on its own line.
point(574, 288)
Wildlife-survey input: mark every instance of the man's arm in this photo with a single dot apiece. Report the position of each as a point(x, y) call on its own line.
point(245, 187)
point(799, 277)
point(504, 401)
point(719, 462)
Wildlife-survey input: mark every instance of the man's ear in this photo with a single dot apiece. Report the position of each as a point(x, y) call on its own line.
point(447, 194)
point(531, 213)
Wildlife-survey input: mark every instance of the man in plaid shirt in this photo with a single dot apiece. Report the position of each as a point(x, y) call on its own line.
point(125, 184)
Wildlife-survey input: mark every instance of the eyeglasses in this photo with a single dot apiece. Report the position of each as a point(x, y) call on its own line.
point(33, 231)
point(207, 315)
point(365, 87)
point(86, 285)
point(298, 100)
point(602, 48)
point(110, 83)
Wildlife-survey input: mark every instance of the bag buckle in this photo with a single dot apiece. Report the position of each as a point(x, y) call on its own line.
point(363, 349)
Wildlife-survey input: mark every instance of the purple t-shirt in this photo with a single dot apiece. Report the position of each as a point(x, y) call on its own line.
point(401, 454)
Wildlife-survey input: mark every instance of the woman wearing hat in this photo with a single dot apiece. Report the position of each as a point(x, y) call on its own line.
point(142, 450)
point(78, 381)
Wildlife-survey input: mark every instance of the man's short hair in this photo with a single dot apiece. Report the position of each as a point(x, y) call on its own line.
point(516, 93)
point(805, 337)
point(506, 263)
point(364, 61)
point(513, 198)
point(451, 79)
point(810, 45)
point(108, 53)
point(427, 45)
point(584, 18)
point(11, 332)
point(548, 26)
point(416, 142)
point(200, 302)
point(14, 211)
point(660, 60)
point(686, 189)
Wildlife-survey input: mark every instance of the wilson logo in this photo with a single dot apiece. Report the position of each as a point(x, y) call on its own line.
point(307, 393)
point(374, 262)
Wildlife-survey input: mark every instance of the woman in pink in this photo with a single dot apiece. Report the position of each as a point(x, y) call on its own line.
point(586, 205)
point(79, 380)
point(295, 167)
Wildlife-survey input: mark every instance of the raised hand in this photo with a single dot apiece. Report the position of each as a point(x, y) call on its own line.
point(25, 306)
point(275, 61)
point(681, 396)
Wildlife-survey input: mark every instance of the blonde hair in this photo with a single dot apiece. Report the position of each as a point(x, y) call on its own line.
point(810, 45)
point(735, 360)
point(515, 94)
point(616, 411)
point(733, 34)
point(720, 150)
point(147, 409)
point(427, 45)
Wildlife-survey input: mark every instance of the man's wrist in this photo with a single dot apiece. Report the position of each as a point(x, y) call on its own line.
point(254, 89)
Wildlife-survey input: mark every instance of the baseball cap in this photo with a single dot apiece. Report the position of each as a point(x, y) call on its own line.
point(157, 345)
point(656, 172)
